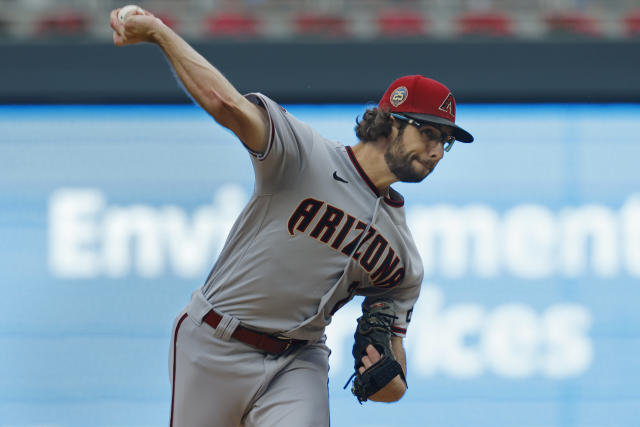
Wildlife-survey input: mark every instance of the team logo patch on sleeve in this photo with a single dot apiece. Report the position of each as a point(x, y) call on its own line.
point(409, 313)
point(398, 96)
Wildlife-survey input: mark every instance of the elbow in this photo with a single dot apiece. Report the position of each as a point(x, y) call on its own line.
point(399, 394)
point(222, 107)
point(392, 392)
point(396, 395)
point(388, 397)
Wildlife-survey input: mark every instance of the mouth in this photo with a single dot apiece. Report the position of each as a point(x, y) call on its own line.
point(428, 165)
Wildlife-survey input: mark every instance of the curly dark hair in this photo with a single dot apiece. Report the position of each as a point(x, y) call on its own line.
point(375, 123)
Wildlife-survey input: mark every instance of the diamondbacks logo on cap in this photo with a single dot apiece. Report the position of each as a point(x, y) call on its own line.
point(448, 106)
point(398, 96)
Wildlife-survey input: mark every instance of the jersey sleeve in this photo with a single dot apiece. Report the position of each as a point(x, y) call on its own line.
point(404, 297)
point(288, 149)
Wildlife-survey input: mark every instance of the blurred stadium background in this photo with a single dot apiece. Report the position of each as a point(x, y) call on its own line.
point(116, 194)
point(336, 18)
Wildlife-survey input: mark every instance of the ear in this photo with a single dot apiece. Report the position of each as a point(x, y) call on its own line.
point(395, 132)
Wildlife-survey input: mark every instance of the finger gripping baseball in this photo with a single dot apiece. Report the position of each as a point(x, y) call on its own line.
point(374, 328)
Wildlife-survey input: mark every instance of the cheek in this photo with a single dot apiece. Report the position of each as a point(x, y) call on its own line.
point(411, 145)
point(399, 147)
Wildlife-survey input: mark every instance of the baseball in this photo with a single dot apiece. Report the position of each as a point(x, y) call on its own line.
point(132, 8)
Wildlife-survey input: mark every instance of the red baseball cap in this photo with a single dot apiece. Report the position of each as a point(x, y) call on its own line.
point(424, 100)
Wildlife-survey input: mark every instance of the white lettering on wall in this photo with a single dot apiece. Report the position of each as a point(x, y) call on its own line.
point(569, 349)
point(461, 324)
point(88, 238)
point(466, 341)
point(528, 241)
point(132, 236)
point(630, 215)
point(589, 227)
point(447, 234)
point(74, 233)
point(511, 340)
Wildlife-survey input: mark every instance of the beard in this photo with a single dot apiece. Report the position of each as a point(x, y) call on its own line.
point(400, 163)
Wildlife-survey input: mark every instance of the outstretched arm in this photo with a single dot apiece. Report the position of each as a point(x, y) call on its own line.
point(206, 85)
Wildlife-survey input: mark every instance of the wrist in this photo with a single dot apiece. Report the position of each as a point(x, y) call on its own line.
point(158, 32)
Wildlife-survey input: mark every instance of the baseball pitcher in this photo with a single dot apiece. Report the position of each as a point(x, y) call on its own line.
point(322, 225)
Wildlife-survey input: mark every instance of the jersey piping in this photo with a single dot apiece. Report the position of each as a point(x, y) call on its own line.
point(261, 156)
point(367, 180)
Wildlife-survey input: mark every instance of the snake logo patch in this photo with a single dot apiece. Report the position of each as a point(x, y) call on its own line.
point(398, 96)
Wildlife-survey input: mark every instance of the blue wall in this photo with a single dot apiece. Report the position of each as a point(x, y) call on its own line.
point(111, 216)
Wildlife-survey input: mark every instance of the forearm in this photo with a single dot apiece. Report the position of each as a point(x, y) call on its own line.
point(398, 352)
point(212, 91)
point(208, 87)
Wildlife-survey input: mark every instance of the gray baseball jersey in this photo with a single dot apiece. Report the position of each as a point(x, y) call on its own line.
point(315, 233)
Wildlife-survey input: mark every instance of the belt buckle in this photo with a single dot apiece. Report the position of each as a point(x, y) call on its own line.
point(287, 339)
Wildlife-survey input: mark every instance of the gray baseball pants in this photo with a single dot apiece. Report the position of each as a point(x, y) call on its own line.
point(218, 381)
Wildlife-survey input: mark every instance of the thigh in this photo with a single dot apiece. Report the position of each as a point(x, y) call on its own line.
point(298, 395)
point(213, 381)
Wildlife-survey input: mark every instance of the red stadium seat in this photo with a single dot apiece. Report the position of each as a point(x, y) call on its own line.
point(493, 24)
point(320, 24)
point(65, 23)
point(572, 23)
point(395, 23)
point(232, 25)
point(632, 24)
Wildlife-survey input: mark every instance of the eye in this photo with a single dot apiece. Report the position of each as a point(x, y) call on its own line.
point(430, 133)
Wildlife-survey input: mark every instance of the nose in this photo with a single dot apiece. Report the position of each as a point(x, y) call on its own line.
point(435, 151)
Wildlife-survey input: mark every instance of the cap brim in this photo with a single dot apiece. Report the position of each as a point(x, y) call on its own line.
point(459, 133)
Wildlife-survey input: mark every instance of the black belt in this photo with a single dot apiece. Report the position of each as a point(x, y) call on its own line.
point(256, 339)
